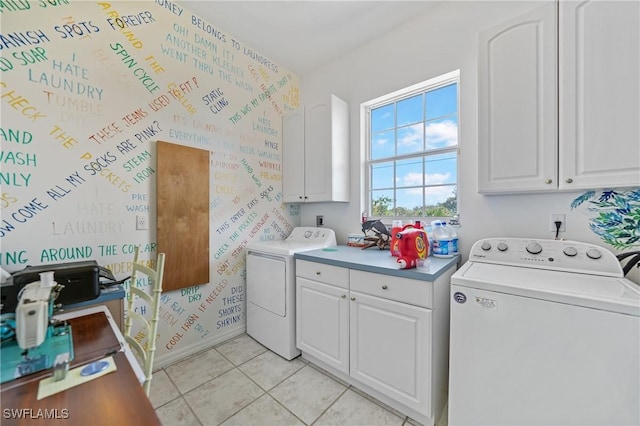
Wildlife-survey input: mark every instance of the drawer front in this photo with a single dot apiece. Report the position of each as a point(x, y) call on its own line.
point(406, 290)
point(328, 274)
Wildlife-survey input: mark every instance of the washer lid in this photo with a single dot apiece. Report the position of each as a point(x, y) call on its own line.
point(283, 247)
point(592, 291)
point(301, 238)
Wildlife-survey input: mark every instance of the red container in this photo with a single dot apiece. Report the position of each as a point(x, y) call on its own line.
point(413, 245)
point(396, 227)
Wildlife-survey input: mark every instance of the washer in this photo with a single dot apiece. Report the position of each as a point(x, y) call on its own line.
point(543, 332)
point(271, 287)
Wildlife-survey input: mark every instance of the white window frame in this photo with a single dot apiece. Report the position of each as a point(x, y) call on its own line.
point(366, 107)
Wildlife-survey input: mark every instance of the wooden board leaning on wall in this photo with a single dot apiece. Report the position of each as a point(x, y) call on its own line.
point(183, 214)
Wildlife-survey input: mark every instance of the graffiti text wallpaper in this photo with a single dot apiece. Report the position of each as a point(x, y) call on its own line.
point(86, 91)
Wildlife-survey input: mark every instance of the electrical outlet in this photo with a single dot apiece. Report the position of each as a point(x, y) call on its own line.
point(553, 218)
point(319, 220)
point(142, 222)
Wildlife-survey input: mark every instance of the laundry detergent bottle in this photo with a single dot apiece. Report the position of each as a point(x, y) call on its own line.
point(396, 226)
point(442, 241)
point(413, 245)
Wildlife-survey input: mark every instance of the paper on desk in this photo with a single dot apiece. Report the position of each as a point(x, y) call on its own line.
point(48, 386)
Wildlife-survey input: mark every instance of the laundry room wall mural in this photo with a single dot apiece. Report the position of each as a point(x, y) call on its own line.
point(87, 89)
point(614, 216)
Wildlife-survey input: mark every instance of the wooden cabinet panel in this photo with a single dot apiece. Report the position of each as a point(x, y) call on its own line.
point(183, 215)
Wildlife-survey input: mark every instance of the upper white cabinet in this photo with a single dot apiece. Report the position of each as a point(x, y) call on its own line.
point(527, 143)
point(315, 146)
point(599, 94)
point(517, 104)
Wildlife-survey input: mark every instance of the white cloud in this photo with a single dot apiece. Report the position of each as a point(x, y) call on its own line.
point(438, 194)
point(381, 141)
point(411, 138)
point(434, 195)
point(442, 134)
point(412, 179)
point(436, 178)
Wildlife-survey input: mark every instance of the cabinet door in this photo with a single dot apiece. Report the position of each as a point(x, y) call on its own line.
point(322, 322)
point(391, 349)
point(293, 157)
point(517, 104)
point(600, 94)
point(318, 147)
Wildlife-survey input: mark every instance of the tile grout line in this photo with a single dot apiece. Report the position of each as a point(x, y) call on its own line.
point(406, 420)
point(181, 396)
point(330, 405)
point(268, 391)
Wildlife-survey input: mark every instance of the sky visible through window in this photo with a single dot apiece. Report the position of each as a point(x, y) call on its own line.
point(413, 151)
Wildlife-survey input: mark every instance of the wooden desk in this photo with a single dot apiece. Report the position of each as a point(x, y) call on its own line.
point(114, 399)
point(112, 297)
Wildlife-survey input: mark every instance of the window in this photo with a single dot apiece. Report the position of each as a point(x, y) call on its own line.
point(412, 151)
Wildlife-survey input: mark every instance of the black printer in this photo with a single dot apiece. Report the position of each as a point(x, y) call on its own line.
point(81, 281)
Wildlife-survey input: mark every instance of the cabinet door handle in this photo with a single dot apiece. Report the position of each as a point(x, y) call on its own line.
point(343, 296)
point(548, 181)
point(318, 272)
point(353, 298)
point(384, 286)
point(568, 180)
point(305, 197)
point(300, 197)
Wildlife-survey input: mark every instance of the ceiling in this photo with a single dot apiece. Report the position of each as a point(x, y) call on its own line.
point(304, 35)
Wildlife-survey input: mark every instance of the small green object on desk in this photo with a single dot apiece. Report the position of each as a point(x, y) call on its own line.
point(329, 249)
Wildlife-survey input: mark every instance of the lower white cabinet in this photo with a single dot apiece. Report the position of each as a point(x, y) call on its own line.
point(390, 349)
point(322, 326)
point(377, 332)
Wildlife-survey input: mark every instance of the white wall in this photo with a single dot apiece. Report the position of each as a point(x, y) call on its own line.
point(442, 40)
point(208, 91)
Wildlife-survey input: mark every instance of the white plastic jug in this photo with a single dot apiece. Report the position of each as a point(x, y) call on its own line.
point(453, 236)
point(442, 241)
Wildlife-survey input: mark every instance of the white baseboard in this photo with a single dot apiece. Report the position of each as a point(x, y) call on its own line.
point(176, 355)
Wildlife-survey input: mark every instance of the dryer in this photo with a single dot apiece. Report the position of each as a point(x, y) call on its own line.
point(271, 287)
point(543, 332)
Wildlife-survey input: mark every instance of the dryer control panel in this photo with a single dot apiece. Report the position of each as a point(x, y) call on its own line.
point(302, 234)
point(569, 256)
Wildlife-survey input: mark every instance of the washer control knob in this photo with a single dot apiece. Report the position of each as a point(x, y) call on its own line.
point(485, 246)
point(594, 253)
point(570, 251)
point(502, 247)
point(534, 248)
point(308, 234)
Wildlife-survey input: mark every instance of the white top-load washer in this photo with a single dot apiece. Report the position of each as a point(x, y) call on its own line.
point(543, 332)
point(271, 287)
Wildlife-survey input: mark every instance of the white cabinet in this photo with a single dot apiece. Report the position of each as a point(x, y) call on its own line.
point(391, 336)
point(376, 331)
point(322, 314)
point(527, 143)
point(599, 94)
point(315, 146)
point(517, 104)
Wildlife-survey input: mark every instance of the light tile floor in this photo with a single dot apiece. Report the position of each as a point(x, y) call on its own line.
point(240, 382)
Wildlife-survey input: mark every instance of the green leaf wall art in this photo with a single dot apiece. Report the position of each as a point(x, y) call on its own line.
point(616, 217)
